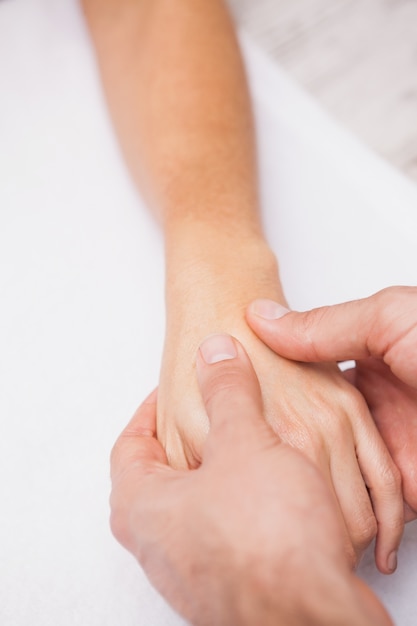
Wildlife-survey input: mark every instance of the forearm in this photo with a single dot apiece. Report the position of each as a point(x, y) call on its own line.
point(177, 93)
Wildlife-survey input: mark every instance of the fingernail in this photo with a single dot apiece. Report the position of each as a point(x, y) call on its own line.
point(393, 561)
point(268, 309)
point(216, 348)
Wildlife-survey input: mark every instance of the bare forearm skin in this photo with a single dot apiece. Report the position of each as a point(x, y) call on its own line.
point(177, 93)
point(176, 89)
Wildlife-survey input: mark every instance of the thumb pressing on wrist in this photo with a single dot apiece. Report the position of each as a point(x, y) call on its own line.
point(286, 332)
point(309, 336)
point(351, 330)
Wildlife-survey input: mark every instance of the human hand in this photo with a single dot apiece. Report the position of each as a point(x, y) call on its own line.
point(256, 516)
point(310, 407)
point(380, 333)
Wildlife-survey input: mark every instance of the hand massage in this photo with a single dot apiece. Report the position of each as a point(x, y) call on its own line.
point(264, 480)
point(255, 534)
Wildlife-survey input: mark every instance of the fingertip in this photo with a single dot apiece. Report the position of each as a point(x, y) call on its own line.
point(389, 512)
point(267, 309)
point(387, 565)
point(217, 348)
point(218, 356)
point(386, 557)
point(392, 561)
point(228, 384)
point(387, 547)
point(263, 317)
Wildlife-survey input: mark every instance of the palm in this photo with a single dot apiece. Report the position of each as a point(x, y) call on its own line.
point(393, 405)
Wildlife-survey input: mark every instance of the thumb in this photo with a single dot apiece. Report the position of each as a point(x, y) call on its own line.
point(332, 333)
point(383, 326)
point(231, 393)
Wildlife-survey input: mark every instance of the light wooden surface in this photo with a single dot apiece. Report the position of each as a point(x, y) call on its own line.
point(358, 57)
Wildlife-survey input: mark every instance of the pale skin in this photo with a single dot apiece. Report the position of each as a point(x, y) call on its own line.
point(253, 535)
point(380, 333)
point(176, 90)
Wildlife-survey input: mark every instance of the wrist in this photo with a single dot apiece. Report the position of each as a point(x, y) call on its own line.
point(220, 266)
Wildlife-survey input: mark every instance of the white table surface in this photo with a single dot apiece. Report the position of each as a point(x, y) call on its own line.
point(82, 313)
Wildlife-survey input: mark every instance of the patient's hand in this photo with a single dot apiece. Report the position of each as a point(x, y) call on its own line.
point(309, 406)
point(380, 333)
point(393, 405)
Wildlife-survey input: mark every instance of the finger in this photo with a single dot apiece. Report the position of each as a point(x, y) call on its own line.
point(137, 446)
point(383, 325)
point(230, 391)
point(383, 480)
point(353, 499)
point(335, 333)
point(343, 497)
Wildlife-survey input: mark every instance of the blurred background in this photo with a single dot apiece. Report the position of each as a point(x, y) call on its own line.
point(357, 57)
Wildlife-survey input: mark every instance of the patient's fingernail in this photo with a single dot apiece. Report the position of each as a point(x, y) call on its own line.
point(393, 561)
point(216, 348)
point(268, 309)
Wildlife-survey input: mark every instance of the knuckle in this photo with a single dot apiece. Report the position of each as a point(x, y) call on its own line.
point(388, 297)
point(392, 294)
point(355, 406)
point(310, 442)
point(394, 314)
point(309, 323)
point(365, 530)
point(220, 382)
point(340, 427)
point(224, 383)
point(369, 529)
point(390, 477)
point(388, 294)
point(388, 312)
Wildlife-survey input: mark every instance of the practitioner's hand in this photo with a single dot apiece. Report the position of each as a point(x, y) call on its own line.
point(380, 333)
point(311, 407)
point(253, 535)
